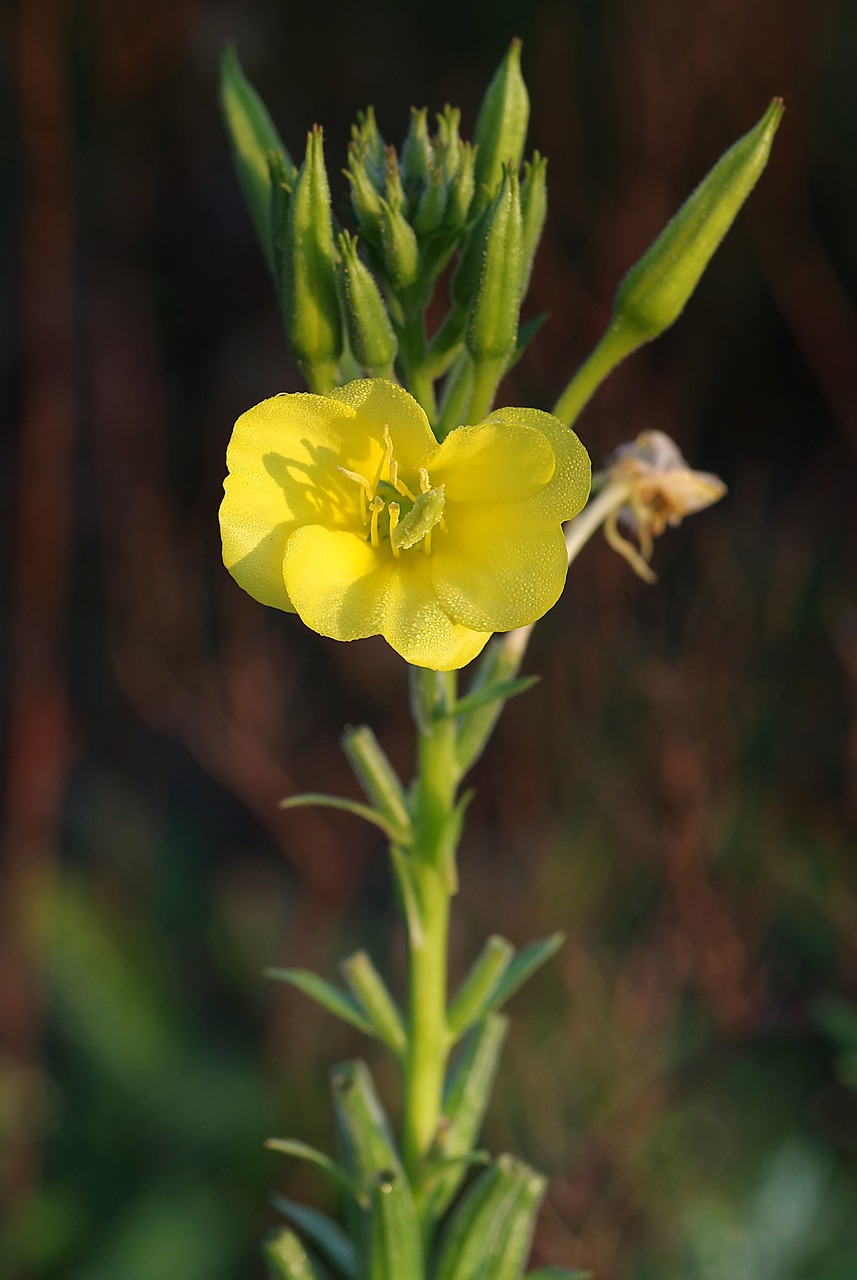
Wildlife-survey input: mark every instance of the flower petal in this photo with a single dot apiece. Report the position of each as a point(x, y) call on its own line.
point(495, 569)
point(493, 462)
point(379, 403)
point(570, 484)
point(343, 588)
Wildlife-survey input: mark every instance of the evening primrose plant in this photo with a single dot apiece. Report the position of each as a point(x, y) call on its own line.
point(392, 498)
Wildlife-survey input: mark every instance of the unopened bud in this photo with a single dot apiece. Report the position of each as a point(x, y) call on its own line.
point(253, 138)
point(492, 326)
point(653, 293)
point(310, 306)
point(417, 154)
point(398, 246)
point(501, 129)
point(365, 199)
point(370, 333)
point(534, 209)
point(461, 188)
point(369, 144)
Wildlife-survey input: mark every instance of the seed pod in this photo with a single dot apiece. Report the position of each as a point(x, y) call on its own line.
point(501, 129)
point(310, 304)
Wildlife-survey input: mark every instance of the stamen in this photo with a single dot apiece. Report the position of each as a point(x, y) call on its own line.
point(425, 483)
point(365, 489)
point(376, 506)
point(627, 550)
point(385, 461)
point(394, 509)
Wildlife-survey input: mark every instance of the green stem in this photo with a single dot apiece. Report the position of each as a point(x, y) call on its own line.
point(486, 379)
point(412, 354)
point(433, 848)
point(613, 347)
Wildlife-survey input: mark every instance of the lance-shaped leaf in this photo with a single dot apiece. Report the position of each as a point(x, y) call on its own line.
point(524, 965)
point(253, 138)
point(337, 1002)
point(328, 1238)
point(377, 776)
point(316, 798)
point(286, 1258)
point(303, 1151)
point(474, 995)
point(465, 1102)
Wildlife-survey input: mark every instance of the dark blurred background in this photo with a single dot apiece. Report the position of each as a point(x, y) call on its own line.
point(678, 793)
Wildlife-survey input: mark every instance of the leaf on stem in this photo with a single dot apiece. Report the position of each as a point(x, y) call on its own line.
point(302, 1151)
point(501, 691)
point(474, 995)
point(327, 1236)
point(523, 966)
point(364, 811)
point(371, 992)
point(337, 1002)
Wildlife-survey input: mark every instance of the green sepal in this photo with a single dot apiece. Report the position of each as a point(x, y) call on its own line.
point(286, 1258)
point(501, 128)
point(366, 1145)
point(654, 292)
point(337, 1002)
point(310, 303)
point(377, 777)
point(252, 136)
point(396, 1250)
point(327, 1236)
point(492, 324)
point(500, 692)
point(303, 1151)
point(364, 811)
point(473, 1229)
point(372, 994)
point(466, 1097)
point(473, 997)
point(524, 965)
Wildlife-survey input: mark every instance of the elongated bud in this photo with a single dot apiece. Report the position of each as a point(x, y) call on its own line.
point(501, 129)
point(534, 209)
point(493, 323)
point(448, 145)
point(310, 305)
point(654, 292)
point(462, 188)
point(429, 213)
point(398, 246)
point(370, 145)
point(253, 137)
point(282, 178)
point(417, 160)
point(365, 199)
point(370, 333)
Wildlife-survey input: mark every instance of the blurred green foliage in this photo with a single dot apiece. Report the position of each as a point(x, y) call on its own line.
point(679, 792)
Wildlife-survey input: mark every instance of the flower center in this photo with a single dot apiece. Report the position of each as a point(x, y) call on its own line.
point(391, 512)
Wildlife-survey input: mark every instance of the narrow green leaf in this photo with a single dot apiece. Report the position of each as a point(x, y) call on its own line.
point(364, 811)
point(302, 1151)
point(502, 691)
point(337, 1002)
point(377, 777)
point(525, 964)
point(372, 993)
point(327, 1236)
point(474, 995)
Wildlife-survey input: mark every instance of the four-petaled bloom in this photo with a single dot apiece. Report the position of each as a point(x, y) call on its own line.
point(346, 510)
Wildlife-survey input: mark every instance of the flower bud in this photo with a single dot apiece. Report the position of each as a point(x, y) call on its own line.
point(398, 246)
point(448, 144)
point(253, 137)
point(654, 292)
point(492, 326)
point(534, 208)
point(502, 125)
point(370, 333)
point(417, 161)
point(369, 145)
point(282, 178)
point(365, 199)
point(461, 188)
point(429, 213)
point(310, 306)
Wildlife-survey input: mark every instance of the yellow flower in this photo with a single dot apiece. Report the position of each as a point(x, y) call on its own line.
point(346, 510)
